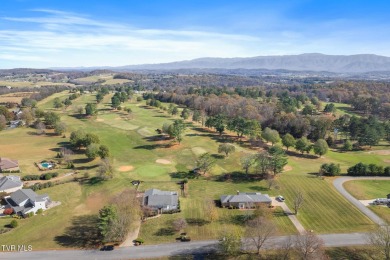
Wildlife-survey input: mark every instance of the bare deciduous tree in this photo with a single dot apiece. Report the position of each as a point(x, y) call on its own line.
point(271, 182)
point(212, 212)
point(258, 231)
point(179, 224)
point(298, 201)
point(40, 128)
point(129, 212)
point(309, 246)
point(105, 170)
point(380, 239)
point(286, 249)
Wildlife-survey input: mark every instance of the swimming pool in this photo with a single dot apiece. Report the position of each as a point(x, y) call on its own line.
point(47, 165)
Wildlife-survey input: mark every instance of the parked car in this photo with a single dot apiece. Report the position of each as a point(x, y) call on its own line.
point(280, 198)
point(107, 248)
point(381, 201)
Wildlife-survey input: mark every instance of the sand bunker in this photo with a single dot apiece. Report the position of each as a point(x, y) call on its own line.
point(287, 168)
point(198, 150)
point(99, 120)
point(144, 132)
point(163, 161)
point(126, 168)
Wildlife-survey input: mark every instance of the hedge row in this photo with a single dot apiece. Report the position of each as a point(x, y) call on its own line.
point(362, 169)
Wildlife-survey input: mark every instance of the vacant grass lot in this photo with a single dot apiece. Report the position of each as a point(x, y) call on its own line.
point(371, 189)
point(133, 142)
point(368, 189)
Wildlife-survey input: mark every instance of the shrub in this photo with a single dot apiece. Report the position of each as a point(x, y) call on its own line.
point(14, 223)
point(30, 177)
point(139, 99)
point(8, 211)
point(139, 241)
point(39, 211)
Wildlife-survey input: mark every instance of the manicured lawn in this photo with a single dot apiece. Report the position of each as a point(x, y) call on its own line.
point(324, 209)
point(368, 189)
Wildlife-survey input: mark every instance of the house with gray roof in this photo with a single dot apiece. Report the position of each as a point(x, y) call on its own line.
point(10, 183)
point(161, 200)
point(25, 201)
point(245, 200)
point(7, 165)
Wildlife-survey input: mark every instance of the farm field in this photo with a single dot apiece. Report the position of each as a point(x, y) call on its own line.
point(108, 78)
point(136, 150)
point(32, 84)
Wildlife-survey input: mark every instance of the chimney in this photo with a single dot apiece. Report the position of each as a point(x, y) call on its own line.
point(238, 192)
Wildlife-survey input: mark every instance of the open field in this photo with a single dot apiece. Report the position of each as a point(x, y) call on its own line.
point(14, 97)
point(368, 189)
point(32, 84)
point(108, 78)
point(133, 142)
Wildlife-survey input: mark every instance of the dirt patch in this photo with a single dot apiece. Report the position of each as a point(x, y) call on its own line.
point(287, 168)
point(100, 120)
point(163, 161)
point(126, 168)
point(380, 152)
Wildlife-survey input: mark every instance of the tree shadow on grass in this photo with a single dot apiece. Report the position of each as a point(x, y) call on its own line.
point(183, 175)
point(197, 221)
point(83, 233)
point(165, 232)
point(241, 219)
point(151, 146)
point(239, 177)
point(218, 156)
point(94, 181)
point(258, 188)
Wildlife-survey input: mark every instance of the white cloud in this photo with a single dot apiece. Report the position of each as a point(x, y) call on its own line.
point(57, 38)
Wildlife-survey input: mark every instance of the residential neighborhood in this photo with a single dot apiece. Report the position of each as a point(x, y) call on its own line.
point(168, 130)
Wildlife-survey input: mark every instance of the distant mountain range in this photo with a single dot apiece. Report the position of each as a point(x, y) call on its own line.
point(305, 62)
point(315, 62)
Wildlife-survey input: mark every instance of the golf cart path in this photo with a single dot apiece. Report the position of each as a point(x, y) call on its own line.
point(338, 184)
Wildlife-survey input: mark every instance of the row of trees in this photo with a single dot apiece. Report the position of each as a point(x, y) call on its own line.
point(371, 169)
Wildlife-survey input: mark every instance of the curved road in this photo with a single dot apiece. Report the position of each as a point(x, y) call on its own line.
point(201, 247)
point(338, 184)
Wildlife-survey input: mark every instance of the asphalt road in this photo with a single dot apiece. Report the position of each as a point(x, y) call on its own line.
point(338, 184)
point(179, 248)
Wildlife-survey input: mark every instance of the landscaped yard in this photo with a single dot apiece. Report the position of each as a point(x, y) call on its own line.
point(138, 154)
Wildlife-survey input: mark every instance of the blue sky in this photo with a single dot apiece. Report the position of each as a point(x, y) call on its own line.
point(58, 33)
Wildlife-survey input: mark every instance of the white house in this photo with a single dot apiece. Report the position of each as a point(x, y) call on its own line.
point(25, 201)
point(10, 183)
